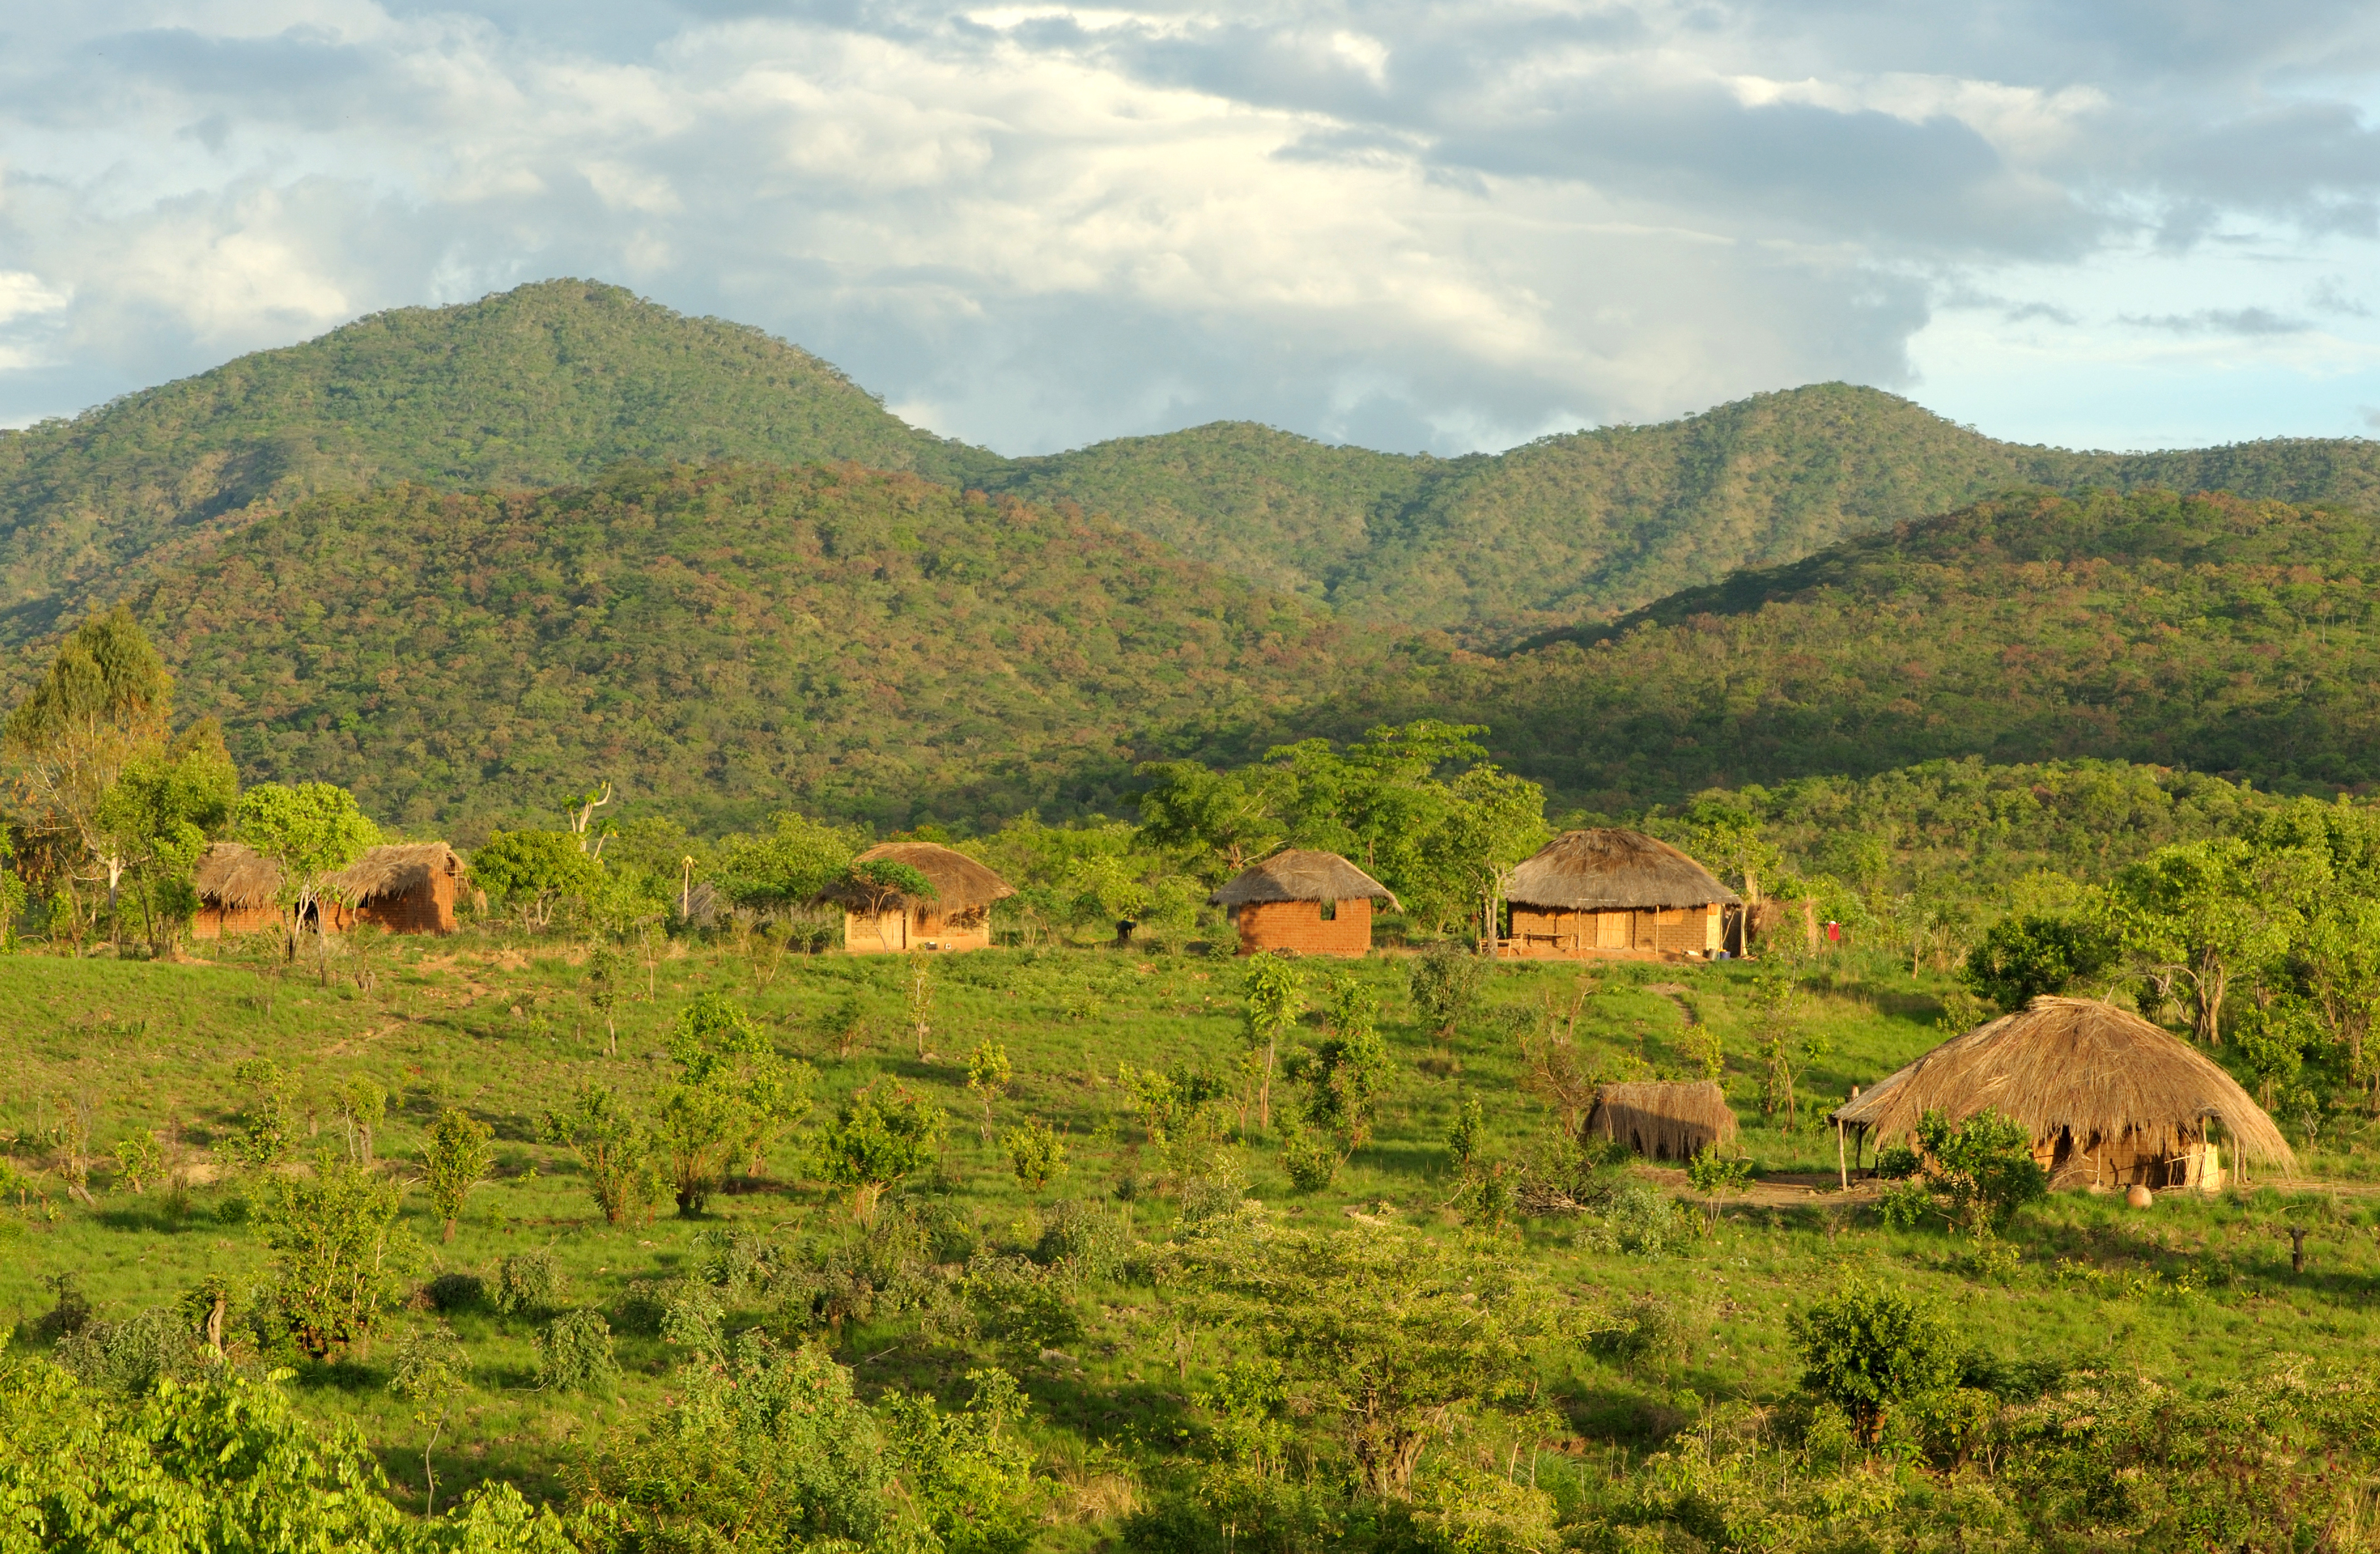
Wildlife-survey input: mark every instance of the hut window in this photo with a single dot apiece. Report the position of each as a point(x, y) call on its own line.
point(1329, 911)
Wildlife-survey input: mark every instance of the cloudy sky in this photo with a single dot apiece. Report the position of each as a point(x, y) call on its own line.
point(1412, 226)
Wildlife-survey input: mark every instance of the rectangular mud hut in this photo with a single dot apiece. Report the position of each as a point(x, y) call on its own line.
point(1663, 1120)
point(406, 887)
point(1302, 902)
point(957, 916)
point(1610, 894)
point(2112, 1101)
point(238, 892)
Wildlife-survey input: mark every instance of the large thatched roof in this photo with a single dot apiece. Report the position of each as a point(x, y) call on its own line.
point(232, 876)
point(1299, 874)
point(395, 869)
point(1610, 869)
point(958, 880)
point(2073, 1064)
point(1667, 1120)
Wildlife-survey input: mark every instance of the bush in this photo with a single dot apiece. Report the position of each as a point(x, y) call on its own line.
point(338, 1250)
point(574, 1353)
point(2021, 958)
point(528, 1282)
point(455, 1291)
point(1036, 1154)
point(1444, 981)
point(1642, 1221)
point(1082, 1237)
point(1868, 1349)
point(1310, 1160)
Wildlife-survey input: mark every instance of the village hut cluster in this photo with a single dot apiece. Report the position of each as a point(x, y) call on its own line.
point(406, 887)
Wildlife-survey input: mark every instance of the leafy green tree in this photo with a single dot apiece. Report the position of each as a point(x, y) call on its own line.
point(2021, 958)
point(454, 1160)
point(1220, 821)
point(361, 1104)
point(875, 1142)
point(783, 869)
point(1273, 996)
point(614, 1151)
point(2198, 914)
point(970, 1472)
point(311, 830)
point(264, 1123)
point(2337, 961)
point(339, 1254)
point(735, 1097)
point(1868, 1351)
point(987, 1077)
point(1464, 1132)
point(1345, 1074)
point(1444, 982)
point(535, 872)
point(154, 821)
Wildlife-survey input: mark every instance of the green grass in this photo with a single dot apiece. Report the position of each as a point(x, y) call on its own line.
point(2194, 1290)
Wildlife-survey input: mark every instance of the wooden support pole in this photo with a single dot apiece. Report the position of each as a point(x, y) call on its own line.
point(1842, 1169)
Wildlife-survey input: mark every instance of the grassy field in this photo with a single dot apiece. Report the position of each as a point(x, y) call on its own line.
point(2191, 1291)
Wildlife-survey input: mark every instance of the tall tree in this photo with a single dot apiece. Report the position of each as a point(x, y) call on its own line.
point(154, 821)
point(312, 830)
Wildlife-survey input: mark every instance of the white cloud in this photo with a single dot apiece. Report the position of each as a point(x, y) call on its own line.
point(1039, 224)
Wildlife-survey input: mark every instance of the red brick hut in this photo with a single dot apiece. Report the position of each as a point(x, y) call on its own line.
point(1313, 903)
point(2112, 1101)
point(958, 917)
point(406, 887)
point(238, 892)
point(1612, 894)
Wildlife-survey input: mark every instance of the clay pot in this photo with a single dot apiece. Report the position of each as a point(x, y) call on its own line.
point(2139, 1196)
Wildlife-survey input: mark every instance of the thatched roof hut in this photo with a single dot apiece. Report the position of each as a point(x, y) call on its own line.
point(958, 880)
point(1610, 892)
point(395, 869)
point(1298, 874)
point(1606, 869)
point(958, 917)
point(231, 876)
point(1663, 1120)
point(2109, 1099)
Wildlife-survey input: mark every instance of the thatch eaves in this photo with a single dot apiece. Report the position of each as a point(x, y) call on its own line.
point(232, 877)
point(1299, 874)
point(958, 880)
point(2073, 1065)
point(393, 869)
point(1606, 869)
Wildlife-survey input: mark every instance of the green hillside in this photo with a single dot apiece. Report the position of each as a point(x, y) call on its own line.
point(551, 383)
point(2209, 633)
point(723, 641)
point(540, 386)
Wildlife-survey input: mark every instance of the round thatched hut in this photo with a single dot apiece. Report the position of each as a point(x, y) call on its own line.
point(2112, 1101)
point(1310, 902)
point(958, 916)
point(240, 891)
point(1610, 893)
point(1664, 1120)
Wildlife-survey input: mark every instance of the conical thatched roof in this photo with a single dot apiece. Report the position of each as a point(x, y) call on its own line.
point(1610, 869)
point(232, 876)
point(2073, 1064)
point(392, 870)
point(1298, 874)
point(959, 881)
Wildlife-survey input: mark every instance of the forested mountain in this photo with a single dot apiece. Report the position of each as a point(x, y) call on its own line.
point(553, 382)
point(540, 386)
point(2210, 633)
point(721, 644)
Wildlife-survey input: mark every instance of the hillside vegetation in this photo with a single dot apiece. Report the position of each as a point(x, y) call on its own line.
point(2210, 633)
point(551, 383)
point(728, 641)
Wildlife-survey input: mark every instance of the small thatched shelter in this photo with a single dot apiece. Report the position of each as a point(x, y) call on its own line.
point(1663, 1120)
point(406, 887)
point(238, 892)
point(2110, 1100)
point(1308, 903)
point(1607, 893)
point(958, 916)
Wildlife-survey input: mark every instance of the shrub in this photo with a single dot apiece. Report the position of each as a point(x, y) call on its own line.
point(1868, 1349)
point(1036, 1154)
point(456, 1160)
point(615, 1153)
point(574, 1353)
point(139, 1160)
point(339, 1253)
point(875, 1142)
point(1980, 1171)
point(2021, 958)
point(1083, 1237)
point(1645, 1329)
point(528, 1282)
point(455, 1291)
point(1444, 981)
point(263, 1124)
point(1640, 1220)
point(1310, 1160)
point(1462, 1134)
